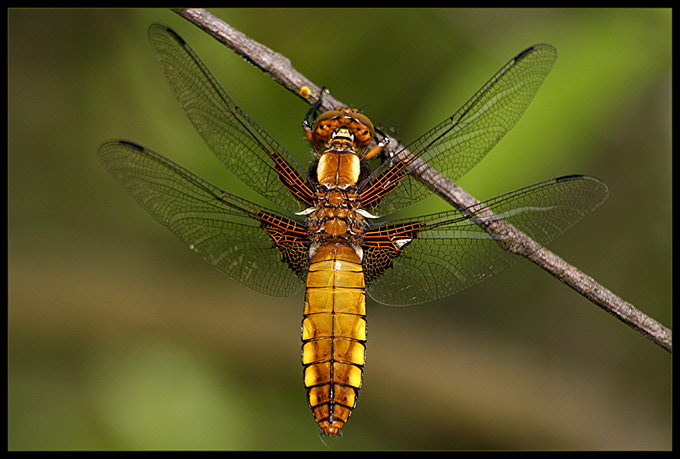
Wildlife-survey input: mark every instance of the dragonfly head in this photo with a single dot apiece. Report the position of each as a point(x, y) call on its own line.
point(344, 128)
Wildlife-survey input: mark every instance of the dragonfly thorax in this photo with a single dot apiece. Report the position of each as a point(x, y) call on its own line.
point(336, 217)
point(338, 169)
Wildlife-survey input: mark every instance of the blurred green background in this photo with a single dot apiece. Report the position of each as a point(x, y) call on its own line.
point(121, 338)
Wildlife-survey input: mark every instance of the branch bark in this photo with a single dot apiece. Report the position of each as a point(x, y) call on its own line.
point(281, 70)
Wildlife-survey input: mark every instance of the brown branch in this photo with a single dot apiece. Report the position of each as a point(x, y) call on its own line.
point(514, 241)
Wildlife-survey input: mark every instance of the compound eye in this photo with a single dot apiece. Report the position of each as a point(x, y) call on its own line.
point(323, 129)
point(363, 133)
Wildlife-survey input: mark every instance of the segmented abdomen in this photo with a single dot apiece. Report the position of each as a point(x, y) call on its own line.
point(334, 334)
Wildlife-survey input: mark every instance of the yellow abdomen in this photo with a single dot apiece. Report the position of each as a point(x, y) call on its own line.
point(334, 334)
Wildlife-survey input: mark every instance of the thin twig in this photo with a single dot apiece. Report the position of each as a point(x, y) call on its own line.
point(514, 241)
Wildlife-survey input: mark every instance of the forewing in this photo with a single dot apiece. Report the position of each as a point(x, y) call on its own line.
point(459, 142)
point(418, 260)
point(245, 148)
point(262, 249)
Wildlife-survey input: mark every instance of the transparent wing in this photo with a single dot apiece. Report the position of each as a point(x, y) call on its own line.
point(422, 259)
point(459, 142)
point(235, 235)
point(245, 148)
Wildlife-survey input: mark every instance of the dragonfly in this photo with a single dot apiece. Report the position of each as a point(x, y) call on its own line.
point(326, 228)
